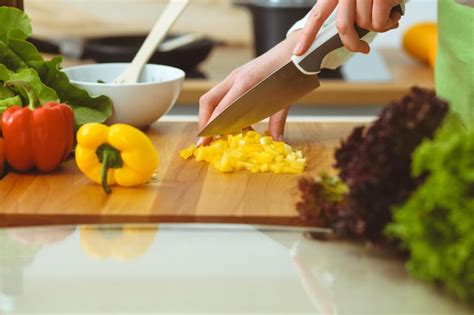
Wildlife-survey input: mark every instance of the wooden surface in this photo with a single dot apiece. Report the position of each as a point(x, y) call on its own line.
point(12, 3)
point(186, 191)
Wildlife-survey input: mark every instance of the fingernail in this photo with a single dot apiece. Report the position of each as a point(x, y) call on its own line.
point(297, 49)
point(280, 138)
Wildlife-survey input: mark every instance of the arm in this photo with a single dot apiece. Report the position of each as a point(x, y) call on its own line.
point(374, 15)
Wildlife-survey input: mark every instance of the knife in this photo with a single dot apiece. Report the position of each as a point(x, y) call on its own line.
point(280, 89)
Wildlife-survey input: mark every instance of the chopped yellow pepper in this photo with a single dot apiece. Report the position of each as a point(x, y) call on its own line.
point(248, 151)
point(188, 152)
point(120, 154)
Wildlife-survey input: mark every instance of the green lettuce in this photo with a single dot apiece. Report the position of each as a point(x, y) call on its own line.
point(13, 20)
point(9, 102)
point(45, 94)
point(86, 109)
point(10, 59)
point(436, 224)
point(49, 82)
point(5, 92)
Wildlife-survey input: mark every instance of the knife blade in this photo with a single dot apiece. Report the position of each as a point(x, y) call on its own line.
point(285, 86)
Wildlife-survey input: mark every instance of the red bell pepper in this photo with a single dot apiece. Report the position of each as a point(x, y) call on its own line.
point(36, 136)
point(2, 157)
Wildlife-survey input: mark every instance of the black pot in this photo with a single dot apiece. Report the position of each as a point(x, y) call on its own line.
point(273, 18)
point(124, 48)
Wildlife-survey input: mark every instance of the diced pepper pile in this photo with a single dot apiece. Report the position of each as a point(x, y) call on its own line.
point(248, 151)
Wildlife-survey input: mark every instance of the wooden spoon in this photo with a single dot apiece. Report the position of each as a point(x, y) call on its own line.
point(172, 11)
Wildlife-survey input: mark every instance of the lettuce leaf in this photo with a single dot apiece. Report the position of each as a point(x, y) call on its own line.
point(18, 55)
point(9, 102)
point(13, 19)
point(86, 108)
point(5, 92)
point(436, 224)
point(10, 59)
point(45, 94)
point(24, 50)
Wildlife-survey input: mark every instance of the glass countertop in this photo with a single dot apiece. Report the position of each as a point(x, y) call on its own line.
point(202, 269)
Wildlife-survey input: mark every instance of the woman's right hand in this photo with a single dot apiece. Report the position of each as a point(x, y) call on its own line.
point(241, 80)
point(372, 15)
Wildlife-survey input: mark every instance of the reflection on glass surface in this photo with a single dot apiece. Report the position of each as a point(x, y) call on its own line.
point(122, 243)
point(202, 269)
point(18, 249)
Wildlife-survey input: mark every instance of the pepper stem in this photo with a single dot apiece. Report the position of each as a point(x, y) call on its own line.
point(106, 155)
point(110, 158)
point(25, 87)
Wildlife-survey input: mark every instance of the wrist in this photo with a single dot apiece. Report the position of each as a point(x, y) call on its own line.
point(294, 36)
point(280, 54)
point(290, 42)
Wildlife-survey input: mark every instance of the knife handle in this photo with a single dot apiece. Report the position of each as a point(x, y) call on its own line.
point(326, 42)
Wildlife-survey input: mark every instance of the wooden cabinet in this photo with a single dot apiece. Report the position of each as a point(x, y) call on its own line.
point(12, 3)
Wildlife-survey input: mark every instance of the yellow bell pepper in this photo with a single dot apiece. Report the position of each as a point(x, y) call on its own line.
point(120, 154)
point(248, 151)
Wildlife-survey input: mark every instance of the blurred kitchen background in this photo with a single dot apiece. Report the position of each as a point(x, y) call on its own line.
point(215, 36)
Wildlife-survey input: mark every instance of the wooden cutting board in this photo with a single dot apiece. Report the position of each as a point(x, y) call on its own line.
point(186, 191)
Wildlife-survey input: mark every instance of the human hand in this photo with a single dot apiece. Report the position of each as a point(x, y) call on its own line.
point(372, 15)
point(243, 79)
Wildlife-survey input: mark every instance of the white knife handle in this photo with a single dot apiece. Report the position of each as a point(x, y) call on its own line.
point(327, 41)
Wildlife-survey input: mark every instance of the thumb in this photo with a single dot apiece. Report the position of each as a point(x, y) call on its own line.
point(277, 124)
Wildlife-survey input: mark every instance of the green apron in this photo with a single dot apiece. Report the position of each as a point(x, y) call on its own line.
point(455, 60)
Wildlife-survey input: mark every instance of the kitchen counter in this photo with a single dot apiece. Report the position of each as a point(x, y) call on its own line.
point(203, 269)
point(93, 18)
point(404, 72)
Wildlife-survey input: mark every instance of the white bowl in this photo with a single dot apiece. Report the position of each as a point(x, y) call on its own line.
point(139, 104)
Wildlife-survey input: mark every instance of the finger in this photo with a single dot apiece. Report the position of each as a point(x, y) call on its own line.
point(392, 27)
point(381, 11)
point(203, 141)
point(277, 124)
point(345, 25)
point(364, 14)
point(394, 18)
point(207, 104)
point(319, 14)
point(209, 101)
point(237, 90)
